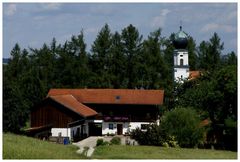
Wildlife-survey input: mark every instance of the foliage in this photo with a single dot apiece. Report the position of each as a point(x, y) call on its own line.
point(153, 135)
point(214, 96)
point(156, 152)
point(22, 147)
point(209, 53)
point(183, 123)
point(115, 141)
point(100, 142)
point(178, 127)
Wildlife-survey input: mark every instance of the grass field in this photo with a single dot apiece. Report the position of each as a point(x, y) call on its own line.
point(152, 152)
point(21, 147)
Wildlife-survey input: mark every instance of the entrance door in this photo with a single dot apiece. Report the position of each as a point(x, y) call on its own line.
point(95, 129)
point(119, 129)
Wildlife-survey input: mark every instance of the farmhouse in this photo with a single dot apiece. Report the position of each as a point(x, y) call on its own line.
point(79, 113)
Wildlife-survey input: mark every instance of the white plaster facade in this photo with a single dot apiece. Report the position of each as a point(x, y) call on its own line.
point(126, 128)
point(181, 66)
point(64, 132)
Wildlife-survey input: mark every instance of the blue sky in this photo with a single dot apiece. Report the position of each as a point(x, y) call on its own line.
point(32, 24)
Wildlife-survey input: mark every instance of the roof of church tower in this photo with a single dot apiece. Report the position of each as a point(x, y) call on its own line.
point(180, 39)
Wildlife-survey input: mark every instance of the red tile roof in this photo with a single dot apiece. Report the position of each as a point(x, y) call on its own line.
point(205, 122)
point(113, 96)
point(194, 74)
point(71, 103)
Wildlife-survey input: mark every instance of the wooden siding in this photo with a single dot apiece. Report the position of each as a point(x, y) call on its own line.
point(52, 113)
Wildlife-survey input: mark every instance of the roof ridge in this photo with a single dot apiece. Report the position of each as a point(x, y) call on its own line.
point(70, 106)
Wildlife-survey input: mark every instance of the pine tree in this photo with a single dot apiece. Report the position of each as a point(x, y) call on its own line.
point(132, 46)
point(100, 61)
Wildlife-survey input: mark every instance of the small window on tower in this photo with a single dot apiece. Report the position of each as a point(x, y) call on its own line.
point(181, 55)
point(181, 62)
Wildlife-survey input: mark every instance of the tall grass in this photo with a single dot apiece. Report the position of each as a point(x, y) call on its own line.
point(153, 152)
point(22, 147)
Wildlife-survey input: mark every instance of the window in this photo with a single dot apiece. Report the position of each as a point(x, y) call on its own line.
point(181, 55)
point(144, 126)
point(181, 62)
point(175, 70)
point(110, 126)
point(117, 98)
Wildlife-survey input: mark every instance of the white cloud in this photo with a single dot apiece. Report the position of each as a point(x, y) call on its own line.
point(159, 21)
point(10, 9)
point(51, 6)
point(164, 12)
point(102, 9)
point(91, 30)
point(215, 27)
point(210, 27)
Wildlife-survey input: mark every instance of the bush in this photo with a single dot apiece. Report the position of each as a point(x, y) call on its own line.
point(115, 141)
point(100, 142)
point(165, 144)
point(154, 135)
point(171, 141)
point(183, 123)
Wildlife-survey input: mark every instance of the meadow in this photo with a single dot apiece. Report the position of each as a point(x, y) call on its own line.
point(155, 152)
point(22, 147)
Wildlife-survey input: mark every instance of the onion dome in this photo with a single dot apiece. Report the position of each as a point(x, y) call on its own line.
point(180, 39)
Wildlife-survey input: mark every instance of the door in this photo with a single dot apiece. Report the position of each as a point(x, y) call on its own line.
point(119, 129)
point(95, 129)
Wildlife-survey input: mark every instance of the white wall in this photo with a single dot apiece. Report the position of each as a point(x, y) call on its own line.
point(126, 127)
point(181, 71)
point(177, 57)
point(65, 132)
point(135, 125)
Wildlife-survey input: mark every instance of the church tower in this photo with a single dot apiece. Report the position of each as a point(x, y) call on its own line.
point(181, 66)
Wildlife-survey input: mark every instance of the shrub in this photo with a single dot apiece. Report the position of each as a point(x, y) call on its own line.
point(115, 141)
point(171, 140)
point(139, 136)
point(183, 123)
point(153, 135)
point(100, 142)
point(165, 144)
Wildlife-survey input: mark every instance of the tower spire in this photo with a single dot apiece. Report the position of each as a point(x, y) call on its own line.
point(180, 24)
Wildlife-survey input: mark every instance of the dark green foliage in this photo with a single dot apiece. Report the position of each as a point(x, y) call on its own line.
point(100, 61)
point(209, 53)
point(100, 142)
point(192, 54)
point(115, 141)
point(132, 46)
point(154, 135)
point(184, 124)
point(180, 126)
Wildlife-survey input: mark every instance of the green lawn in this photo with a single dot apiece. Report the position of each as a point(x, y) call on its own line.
point(152, 152)
point(21, 147)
